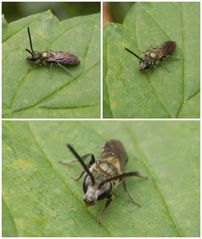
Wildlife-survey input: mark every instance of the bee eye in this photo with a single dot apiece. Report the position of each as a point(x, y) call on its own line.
point(31, 58)
point(106, 192)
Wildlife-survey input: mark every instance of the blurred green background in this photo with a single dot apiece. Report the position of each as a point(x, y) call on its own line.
point(115, 11)
point(16, 10)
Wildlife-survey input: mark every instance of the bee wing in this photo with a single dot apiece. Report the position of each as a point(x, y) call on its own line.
point(63, 58)
point(167, 48)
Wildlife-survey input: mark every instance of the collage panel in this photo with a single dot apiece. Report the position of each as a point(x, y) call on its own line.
point(152, 60)
point(154, 165)
point(58, 75)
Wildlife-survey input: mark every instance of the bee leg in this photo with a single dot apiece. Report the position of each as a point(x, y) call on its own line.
point(64, 68)
point(69, 163)
point(80, 176)
point(84, 157)
point(164, 67)
point(92, 161)
point(148, 49)
point(50, 70)
point(126, 190)
point(172, 57)
point(110, 197)
point(92, 158)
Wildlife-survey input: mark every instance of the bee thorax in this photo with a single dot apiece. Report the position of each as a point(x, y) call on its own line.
point(103, 170)
point(153, 55)
point(45, 54)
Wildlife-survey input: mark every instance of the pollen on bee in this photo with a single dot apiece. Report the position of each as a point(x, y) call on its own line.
point(152, 55)
point(44, 54)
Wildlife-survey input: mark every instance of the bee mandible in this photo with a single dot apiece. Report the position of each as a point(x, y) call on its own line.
point(154, 56)
point(104, 174)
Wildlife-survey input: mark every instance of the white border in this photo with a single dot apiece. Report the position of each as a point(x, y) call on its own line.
point(101, 97)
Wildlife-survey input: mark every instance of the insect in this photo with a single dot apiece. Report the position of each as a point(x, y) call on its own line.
point(59, 58)
point(154, 56)
point(104, 174)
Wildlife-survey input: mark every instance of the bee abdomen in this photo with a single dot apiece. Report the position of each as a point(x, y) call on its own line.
point(115, 149)
point(63, 58)
point(167, 48)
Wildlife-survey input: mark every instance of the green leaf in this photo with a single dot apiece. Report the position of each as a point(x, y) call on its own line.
point(9, 229)
point(159, 93)
point(42, 199)
point(32, 91)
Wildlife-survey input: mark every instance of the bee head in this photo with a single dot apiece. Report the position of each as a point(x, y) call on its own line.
point(147, 61)
point(34, 56)
point(143, 65)
point(93, 192)
point(92, 187)
point(143, 61)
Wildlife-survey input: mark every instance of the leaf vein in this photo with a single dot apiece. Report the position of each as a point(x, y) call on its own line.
point(55, 91)
point(148, 167)
point(150, 82)
point(107, 95)
point(9, 211)
point(183, 62)
point(69, 107)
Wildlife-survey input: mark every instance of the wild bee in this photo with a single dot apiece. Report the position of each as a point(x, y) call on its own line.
point(59, 58)
point(154, 56)
point(104, 174)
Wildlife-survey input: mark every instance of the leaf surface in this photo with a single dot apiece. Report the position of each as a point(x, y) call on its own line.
point(169, 91)
point(33, 91)
point(41, 198)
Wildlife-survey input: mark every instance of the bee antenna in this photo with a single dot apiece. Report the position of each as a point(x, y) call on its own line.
point(121, 176)
point(76, 155)
point(134, 54)
point(28, 51)
point(30, 39)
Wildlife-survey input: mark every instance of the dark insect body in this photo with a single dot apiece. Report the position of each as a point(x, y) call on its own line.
point(104, 174)
point(154, 56)
point(51, 57)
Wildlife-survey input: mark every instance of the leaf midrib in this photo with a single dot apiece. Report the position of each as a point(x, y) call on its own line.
point(144, 161)
point(49, 96)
